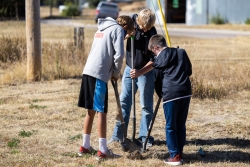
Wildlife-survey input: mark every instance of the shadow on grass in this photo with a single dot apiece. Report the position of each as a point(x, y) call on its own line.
point(242, 143)
point(218, 156)
point(229, 155)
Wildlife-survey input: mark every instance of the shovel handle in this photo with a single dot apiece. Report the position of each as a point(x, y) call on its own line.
point(114, 84)
point(152, 123)
point(133, 90)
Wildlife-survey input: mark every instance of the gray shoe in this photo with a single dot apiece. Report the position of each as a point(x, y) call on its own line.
point(148, 145)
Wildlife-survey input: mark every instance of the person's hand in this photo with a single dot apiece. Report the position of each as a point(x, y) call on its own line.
point(134, 73)
point(129, 34)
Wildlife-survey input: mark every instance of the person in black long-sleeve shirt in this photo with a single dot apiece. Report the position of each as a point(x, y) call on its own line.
point(172, 70)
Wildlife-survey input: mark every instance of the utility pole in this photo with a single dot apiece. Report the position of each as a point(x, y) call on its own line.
point(33, 39)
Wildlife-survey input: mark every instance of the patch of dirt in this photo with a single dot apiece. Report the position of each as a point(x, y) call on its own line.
point(134, 155)
point(152, 153)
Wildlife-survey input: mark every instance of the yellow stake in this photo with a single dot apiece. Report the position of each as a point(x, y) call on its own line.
point(164, 23)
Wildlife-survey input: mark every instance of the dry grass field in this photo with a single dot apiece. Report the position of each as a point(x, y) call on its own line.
point(41, 125)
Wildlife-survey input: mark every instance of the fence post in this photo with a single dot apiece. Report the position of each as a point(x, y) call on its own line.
point(79, 37)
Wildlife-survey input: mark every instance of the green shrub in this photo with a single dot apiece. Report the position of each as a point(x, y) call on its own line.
point(217, 19)
point(93, 3)
point(71, 10)
point(247, 21)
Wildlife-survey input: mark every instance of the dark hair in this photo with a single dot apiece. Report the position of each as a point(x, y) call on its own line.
point(157, 40)
point(126, 21)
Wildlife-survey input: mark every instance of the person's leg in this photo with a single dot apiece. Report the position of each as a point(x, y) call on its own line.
point(126, 102)
point(102, 125)
point(171, 112)
point(103, 151)
point(88, 122)
point(102, 129)
point(181, 122)
point(86, 101)
point(87, 127)
point(146, 88)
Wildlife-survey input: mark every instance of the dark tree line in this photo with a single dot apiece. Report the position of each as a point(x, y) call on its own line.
point(14, 9)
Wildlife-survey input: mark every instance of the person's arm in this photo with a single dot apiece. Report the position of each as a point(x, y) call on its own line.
point(136, 73)
point(118, 45)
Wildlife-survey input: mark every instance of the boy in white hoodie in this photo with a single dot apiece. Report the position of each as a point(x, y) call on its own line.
point(104, 62)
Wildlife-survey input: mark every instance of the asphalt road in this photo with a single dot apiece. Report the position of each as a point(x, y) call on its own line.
point(185, 32)
point(204, 33)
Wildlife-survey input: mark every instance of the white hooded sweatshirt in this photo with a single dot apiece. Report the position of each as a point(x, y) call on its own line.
point(107, 51)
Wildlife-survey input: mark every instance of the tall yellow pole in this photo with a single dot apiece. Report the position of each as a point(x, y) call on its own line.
point(164, 23)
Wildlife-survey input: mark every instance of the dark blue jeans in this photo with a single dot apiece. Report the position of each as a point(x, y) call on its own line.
point(176, 115)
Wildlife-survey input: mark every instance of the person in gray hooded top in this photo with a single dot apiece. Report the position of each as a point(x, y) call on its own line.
point(104, 62)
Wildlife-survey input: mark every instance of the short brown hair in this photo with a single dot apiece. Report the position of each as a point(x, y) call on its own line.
point(126, 21)
point(146, 18)
point(157, 40)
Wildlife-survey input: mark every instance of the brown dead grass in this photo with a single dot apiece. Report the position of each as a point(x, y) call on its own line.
point(221, 128)
point(49, 110)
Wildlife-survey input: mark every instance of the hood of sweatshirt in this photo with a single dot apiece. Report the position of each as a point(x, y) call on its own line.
point(106, 23)
point(166, 58)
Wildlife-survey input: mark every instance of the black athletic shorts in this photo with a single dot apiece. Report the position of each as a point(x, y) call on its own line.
point(93, 94)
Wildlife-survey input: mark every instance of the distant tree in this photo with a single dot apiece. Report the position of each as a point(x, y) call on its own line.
point(71, 10)
point(93, 3)
point(12, 8)
point(247, 21)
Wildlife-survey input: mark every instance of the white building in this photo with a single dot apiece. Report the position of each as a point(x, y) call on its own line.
point(197, 12)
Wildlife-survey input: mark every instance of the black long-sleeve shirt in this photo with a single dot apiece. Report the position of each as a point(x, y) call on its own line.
point(141, 55)
point(172, 70)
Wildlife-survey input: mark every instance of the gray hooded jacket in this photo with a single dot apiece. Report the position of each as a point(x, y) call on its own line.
point(107, 51)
